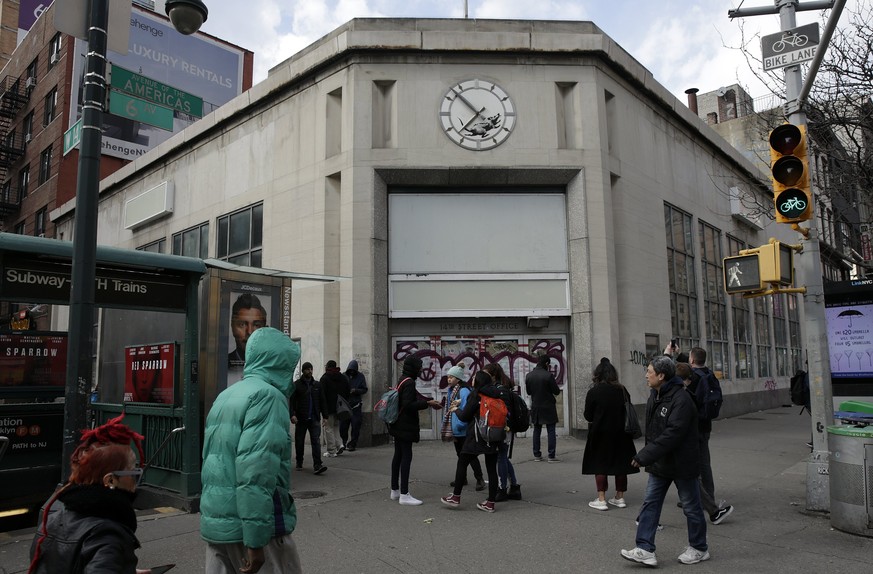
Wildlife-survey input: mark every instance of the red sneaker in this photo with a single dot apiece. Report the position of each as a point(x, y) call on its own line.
point(487, 506)
point(452, 500)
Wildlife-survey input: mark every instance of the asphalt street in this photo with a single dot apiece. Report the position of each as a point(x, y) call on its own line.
point(347, 524)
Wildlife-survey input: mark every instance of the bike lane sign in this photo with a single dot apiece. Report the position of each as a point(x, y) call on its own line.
point(789, 47)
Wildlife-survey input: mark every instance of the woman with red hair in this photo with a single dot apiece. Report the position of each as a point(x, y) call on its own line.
point(88, 526)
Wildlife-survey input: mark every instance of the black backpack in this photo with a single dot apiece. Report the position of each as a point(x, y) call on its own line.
point(519, 414)
point(708, 395)
point(799, 389)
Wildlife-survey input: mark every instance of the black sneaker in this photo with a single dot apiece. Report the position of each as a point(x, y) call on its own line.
point(320, 469)
point(722, 513)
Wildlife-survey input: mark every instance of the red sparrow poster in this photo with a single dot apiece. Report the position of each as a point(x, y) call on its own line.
point(150, 373)
point(33, 359)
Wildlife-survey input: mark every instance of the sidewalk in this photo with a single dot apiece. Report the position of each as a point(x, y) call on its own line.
point(347, 524)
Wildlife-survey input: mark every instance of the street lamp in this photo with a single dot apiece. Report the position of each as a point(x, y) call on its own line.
point(81, 327)
point(186, 15)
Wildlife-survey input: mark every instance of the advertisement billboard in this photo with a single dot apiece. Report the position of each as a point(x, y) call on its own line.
point(30, 359)
point(849, 317)
point(195, 65)
point(150, 373)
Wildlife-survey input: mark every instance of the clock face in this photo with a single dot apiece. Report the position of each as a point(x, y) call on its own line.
point(477, 114)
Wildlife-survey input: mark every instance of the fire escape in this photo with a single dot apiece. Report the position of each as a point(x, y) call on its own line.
point(13, 97)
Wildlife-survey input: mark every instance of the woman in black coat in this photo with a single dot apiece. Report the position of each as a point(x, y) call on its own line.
point(405, 430)
point(609, 449)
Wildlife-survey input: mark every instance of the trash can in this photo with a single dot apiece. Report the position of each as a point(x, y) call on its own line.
point(851, 478)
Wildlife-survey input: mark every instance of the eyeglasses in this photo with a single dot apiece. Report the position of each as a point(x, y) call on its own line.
point(137, 472)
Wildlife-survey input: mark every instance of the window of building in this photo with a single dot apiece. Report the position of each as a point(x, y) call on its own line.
point(54, 50)
point(193, 242)
point(6, 192)
point(680, 272)
point(45, 165)
point(240, 236)
point(23, 180)
point(762, 337)
point(39, 222)
point(794, 341)
point(780, 332)
point(9, 140)
point(714, 307)
point(27, 127)
point(31, 74)
point(50, 107)
point(19, 228)
point(741, 314)
point(155, 246)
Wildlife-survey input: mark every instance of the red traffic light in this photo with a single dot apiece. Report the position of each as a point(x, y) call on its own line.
point(785, 138)
point(788, 170)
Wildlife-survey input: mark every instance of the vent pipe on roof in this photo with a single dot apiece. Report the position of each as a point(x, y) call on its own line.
point(692, 99)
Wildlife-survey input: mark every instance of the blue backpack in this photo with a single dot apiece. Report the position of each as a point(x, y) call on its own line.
point(388, 407)
point(708, 395)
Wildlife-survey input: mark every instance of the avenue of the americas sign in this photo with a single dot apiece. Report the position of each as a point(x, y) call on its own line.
point(789, 47)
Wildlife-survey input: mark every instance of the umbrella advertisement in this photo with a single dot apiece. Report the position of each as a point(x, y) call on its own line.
point(850, 340)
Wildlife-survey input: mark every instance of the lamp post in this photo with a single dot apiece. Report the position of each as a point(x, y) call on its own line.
point(187, 17)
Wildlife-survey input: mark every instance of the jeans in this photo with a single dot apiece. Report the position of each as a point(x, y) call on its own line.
point(650, 512)
point(550, 431)
point(280, 553)
point(355, 424)
point(464, 459)
point(400, 465)
point(505, 470)
point(477, 466)
point(314, 430)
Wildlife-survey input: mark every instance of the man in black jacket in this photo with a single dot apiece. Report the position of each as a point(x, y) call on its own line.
point(540, 384)
point(334, 384)
point(670, 456)
point(307, 403)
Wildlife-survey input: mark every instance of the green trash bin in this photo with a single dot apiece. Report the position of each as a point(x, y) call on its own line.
point(851, 483)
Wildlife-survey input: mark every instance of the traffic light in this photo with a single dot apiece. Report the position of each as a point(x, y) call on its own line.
point(789, 169)
point(755, 269)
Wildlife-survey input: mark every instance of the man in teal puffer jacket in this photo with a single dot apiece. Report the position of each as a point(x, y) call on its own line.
point(247, 514)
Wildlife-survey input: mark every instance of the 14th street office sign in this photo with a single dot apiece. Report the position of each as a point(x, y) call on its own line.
point(789, 47)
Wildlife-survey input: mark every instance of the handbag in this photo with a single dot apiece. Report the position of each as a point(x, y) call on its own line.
point(631, 422)
point(343, 410)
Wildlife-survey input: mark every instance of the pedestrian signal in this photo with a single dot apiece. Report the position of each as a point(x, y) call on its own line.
point(757, 268)
point(789, 170)
point(742, 274)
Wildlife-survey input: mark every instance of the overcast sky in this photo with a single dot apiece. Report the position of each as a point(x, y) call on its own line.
point(684, 43)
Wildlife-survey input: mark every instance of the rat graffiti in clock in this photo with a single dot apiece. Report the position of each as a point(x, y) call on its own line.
point(477, 114)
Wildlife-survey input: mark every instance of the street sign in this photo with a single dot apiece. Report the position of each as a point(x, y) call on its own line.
point(124, 80)
point(73, 136)
point(71, 17)
point(789, 47)
point(126, 106)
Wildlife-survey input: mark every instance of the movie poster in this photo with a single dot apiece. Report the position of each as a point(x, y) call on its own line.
point(150, 373)
point(33, 360)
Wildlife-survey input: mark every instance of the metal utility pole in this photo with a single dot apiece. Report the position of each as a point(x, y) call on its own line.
point(810, 273)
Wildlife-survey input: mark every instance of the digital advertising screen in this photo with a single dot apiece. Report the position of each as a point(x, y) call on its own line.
point(849, 319)
point(29, 359)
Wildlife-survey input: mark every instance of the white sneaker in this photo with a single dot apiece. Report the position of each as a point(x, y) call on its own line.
point(409, 500)
point(395, 494)
point(641, 556)
point(693, 556)
point(618, 502)
point(598, 504)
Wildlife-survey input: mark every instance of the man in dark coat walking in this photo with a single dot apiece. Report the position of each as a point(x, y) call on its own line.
point(358, 386)
point(542, 387)
point(334, 384)
point(670, 456)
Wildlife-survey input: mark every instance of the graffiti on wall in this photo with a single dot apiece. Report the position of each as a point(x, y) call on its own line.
point(439, 354)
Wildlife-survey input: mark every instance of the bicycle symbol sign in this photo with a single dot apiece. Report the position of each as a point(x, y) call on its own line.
point(789, 47)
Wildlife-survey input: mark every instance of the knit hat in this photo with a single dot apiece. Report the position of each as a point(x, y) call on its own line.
point(306, 365)
point(330, 364)
point(458, 372)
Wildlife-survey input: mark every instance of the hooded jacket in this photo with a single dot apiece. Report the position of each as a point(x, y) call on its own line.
point(671, 449)
point(357, 384)
point(334, 384)
point(407, 427)
point(247, 449)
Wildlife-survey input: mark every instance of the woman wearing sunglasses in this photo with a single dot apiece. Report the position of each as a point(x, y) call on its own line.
point(88, 526)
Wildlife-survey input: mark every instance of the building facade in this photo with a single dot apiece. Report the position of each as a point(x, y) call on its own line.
point(481, 191)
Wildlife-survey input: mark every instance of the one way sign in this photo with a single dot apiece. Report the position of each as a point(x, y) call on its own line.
point(789, 47)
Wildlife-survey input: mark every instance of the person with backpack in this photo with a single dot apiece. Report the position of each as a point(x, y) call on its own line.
point(509, 488)
point(457, 429)
point(487, 413)
point(608, 450)
point(406, 430)
point(705, 389)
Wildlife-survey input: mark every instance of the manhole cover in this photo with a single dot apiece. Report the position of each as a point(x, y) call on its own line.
point(309, 494)
point(749, 419)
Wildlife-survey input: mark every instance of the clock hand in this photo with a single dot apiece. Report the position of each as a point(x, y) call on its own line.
point(470, 121)
point(466, 101)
